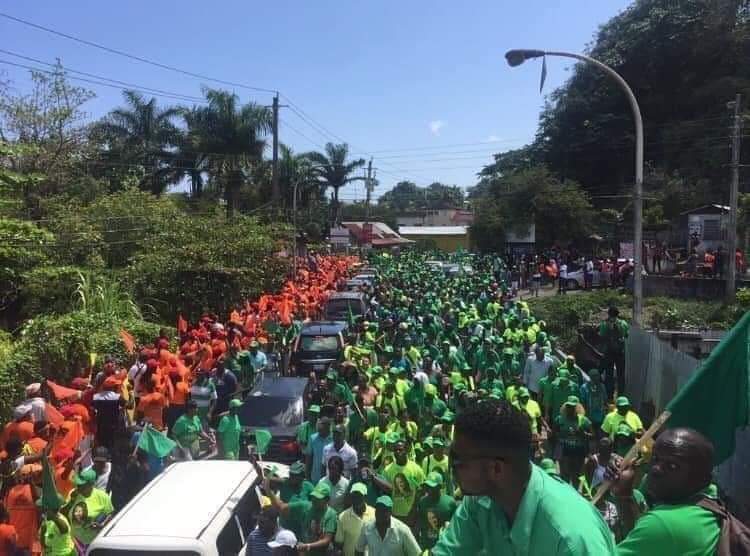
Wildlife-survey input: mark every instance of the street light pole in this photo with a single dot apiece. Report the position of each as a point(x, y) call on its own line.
point(517, 57)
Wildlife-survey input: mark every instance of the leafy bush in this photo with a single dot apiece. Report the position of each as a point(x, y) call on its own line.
point(49, 289)
point(57, 346)
point(23, 246)
point(203, 264)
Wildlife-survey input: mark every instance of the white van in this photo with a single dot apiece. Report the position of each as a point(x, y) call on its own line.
point(192, 508)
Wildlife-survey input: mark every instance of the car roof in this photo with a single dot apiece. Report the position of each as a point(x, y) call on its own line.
point(347, 295)
point(183, 512)
point(272, 384)
point(322, 328)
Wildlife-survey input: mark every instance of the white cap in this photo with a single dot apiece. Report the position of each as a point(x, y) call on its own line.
point(284, 538)
point(21, 411)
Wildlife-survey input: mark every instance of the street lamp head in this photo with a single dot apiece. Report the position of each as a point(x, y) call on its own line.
point(519, 56)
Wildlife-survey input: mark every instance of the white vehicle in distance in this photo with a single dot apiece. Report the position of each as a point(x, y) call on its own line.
point(193, 508)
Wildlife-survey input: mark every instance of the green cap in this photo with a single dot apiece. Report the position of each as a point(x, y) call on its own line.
point(447, 417)
point(314, 409)
point(563, 373)
point(321, 492)
point(384, 501)
point(523, 392)
point(430, 389)
point(297, 468)
point(331, 375)
point(359, 488)
point(572, 401)
point(235, 403)
point(548, 466)
point(459, 387)
point(392, 437)
point(437, 441)
point(508, 351)
point(434, 480)
point(394, 371)
point(84, 477)
point(622, 401)
point(388, 349)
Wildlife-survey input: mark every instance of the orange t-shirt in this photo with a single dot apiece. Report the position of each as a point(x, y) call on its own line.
point(36, 445)
point(181, 393)
point(152, 406)
point(7, 536)
point(22, 509)
point(24, 430)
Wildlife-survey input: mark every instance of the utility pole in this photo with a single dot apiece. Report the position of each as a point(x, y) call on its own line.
point(733, 194)
point(368, 190)
point(275, 168)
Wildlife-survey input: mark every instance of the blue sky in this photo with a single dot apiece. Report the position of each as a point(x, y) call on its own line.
point(420, 85)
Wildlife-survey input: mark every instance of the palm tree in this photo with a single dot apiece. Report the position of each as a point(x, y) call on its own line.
point(335, 171)
point(144, 133)
point(296, 169)
point(230, 137)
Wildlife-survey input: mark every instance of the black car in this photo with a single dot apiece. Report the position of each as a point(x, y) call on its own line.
point(318, 345)
point(276, 404)
point(343, 305)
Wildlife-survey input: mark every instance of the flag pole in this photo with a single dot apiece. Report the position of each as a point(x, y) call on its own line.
point(632, 454)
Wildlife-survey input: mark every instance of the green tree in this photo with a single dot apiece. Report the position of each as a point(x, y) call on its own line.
point(335, 170)
point(230, 136)
point(23, 246)
point(143, 134)
point(405, 196)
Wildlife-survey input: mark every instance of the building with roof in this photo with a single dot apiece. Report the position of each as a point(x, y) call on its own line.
point(445, 238)
point(436, 217)
point(703, 228)
point(376, 234)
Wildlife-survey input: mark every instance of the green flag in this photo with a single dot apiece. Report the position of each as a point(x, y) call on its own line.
point(716, 399)
point(50, 499)
point(155, 443)
point(262, 440)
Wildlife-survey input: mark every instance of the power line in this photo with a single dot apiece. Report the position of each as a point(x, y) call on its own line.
point(134, 57)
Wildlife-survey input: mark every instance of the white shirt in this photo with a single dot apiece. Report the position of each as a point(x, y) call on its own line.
point(534, 371)
point(589, 266)
point(563, 271)
point(38, 408)
point(347, 454)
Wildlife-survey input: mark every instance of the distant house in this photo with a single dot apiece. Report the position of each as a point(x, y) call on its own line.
point(703, 228)
point(381, 235)
point(437, 217)
point(446, 238)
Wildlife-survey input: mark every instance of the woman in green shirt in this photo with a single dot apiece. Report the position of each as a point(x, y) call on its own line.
point(229, 432)
point(55, 535)
point(188, 429)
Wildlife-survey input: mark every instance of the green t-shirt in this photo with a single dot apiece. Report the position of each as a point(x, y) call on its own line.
point(304, 431)
point(229, 433)
point(55, 542)
point(559, 393)
point(406, 480)
point(186, 430)
point(84, 511)
point(241, 365)
point(432, 517)
point(571, 434)
point(679, 529)
point(312, 525)
point(289, 495)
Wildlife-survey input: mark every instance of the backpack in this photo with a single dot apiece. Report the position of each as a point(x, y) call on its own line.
point(734, 539)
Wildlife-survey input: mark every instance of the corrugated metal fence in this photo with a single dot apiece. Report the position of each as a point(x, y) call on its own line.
point(654, 373)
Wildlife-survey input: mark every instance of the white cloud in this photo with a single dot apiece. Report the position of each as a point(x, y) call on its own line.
point(436, 126)
point(493, 139)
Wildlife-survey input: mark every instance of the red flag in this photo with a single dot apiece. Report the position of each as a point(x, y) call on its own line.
point(63, 392)
point(182, 325)
point(53, 416)
point(71, 435)
point(127, 340)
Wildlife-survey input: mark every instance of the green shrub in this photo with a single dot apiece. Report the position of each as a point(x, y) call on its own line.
point(49, 289)
point(23, 246)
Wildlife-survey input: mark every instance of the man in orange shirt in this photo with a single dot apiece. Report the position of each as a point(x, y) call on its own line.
point(180, 395)
point(151, 408)
point(64, 460)
point(20, 502)
point(8, 535)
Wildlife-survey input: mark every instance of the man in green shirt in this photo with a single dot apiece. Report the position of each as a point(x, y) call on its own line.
point(510, 506)
point(188, 430)
point(623, 414)
point(434, 510)
point(681, 466)
point(240, 363)
point(228, 432)
point(316, 522)
point(613, 332)
point(307, 428)
point(405, 476)
point(562, 389)
point(88, 508)
point(573, 432)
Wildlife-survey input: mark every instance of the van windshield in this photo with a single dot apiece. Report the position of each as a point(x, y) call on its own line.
point(344, 306)
point(319, 343)
point(268, 411)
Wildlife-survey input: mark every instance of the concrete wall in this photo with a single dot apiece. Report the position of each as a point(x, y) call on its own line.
point(686, 288)
point(443, 242)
